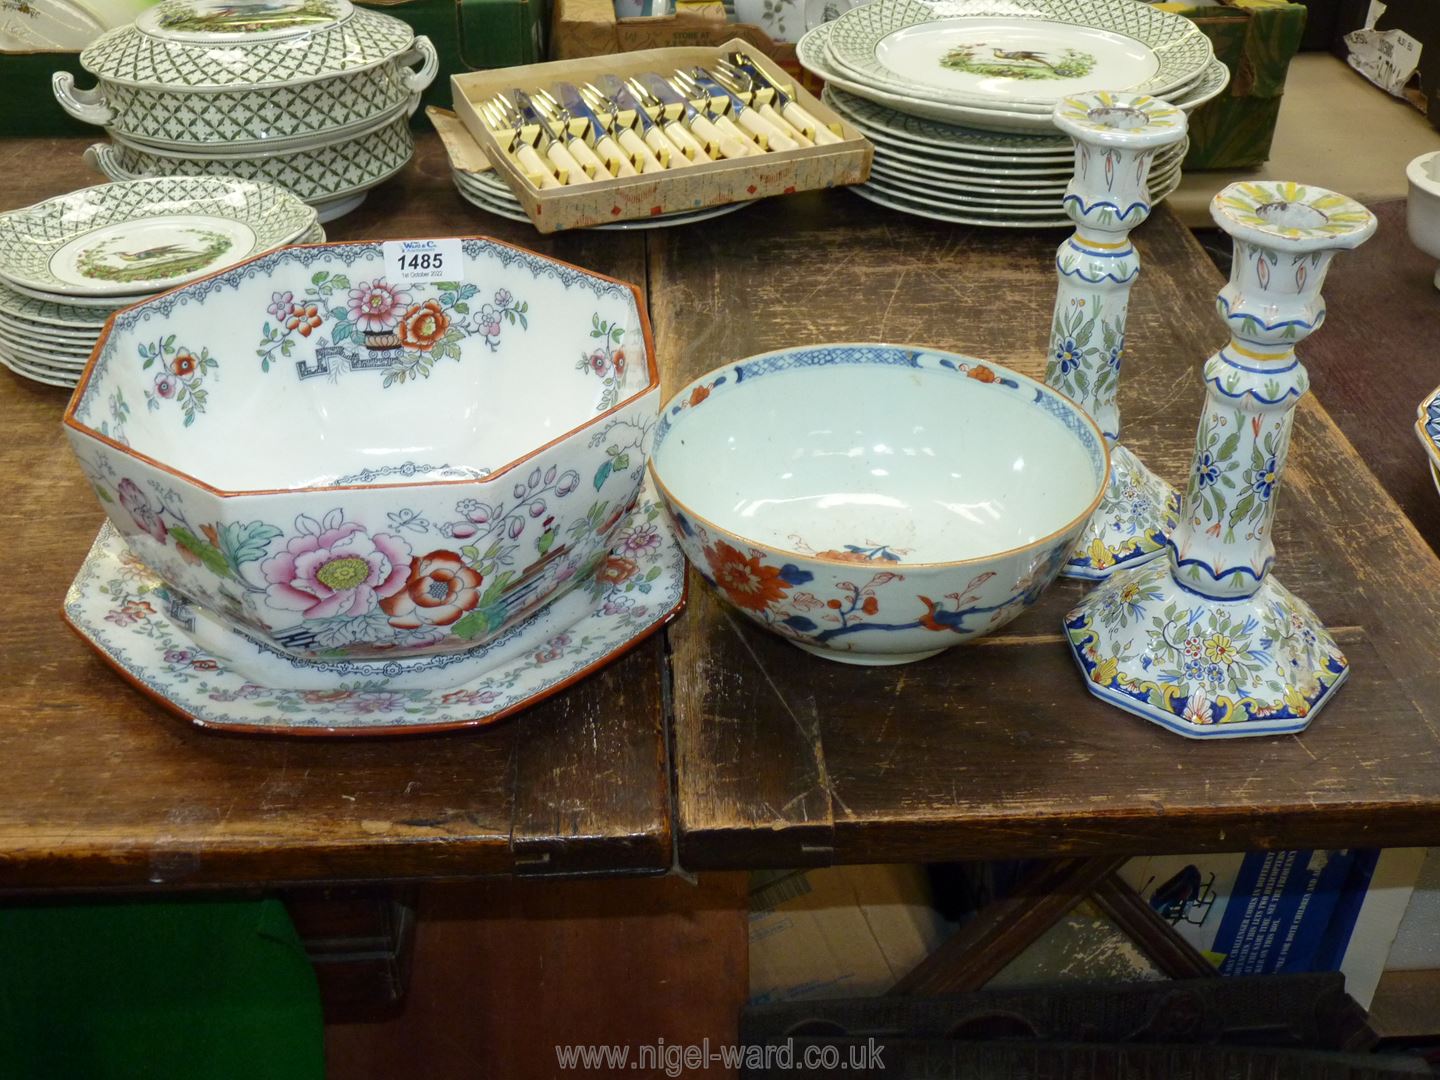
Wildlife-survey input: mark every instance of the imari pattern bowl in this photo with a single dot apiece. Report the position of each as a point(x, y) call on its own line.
point(876, 504)
point(346, 465)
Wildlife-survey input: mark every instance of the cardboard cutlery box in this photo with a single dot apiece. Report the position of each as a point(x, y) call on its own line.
point(693, 187)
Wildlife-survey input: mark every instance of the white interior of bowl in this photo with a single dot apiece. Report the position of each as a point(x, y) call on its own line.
point(933, 465)
point(333, 409)
point(1424, 173)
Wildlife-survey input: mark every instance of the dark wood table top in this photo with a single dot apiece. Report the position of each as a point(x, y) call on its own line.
point(778, 759)
point(995, 749)
point(100, 786)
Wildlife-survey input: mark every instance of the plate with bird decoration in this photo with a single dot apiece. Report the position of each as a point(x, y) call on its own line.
point(141, 236)
point(1018, 54)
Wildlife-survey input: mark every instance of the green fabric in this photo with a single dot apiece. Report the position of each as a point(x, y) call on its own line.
point(190, 990)
point(1256, 40)
point(470, 35)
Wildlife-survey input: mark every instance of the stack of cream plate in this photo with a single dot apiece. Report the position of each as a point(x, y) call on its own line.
point(313, 95)
point(68, 263)
point(958, 98)
point(489, 193)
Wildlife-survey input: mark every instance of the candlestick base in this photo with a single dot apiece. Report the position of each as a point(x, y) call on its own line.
point(1205, 669)
point(1128, 529)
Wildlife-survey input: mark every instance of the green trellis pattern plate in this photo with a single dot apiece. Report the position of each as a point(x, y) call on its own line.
point(251, 217)
point(1181, 51)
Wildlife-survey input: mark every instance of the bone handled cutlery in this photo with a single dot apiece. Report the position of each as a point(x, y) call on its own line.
point(700, 125)
point(743, 84)
point(674, 128)
point(789, 108)
point(669, 153)
point(555, 148)
point(534, 166)
point(702, 101)
point(762, 130)
point(610, 151)
point(571, 132)
point(644, 157)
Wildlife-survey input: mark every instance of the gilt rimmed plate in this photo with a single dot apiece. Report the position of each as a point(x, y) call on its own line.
point(1003, 53)
point(139, 237)
point(147, 633)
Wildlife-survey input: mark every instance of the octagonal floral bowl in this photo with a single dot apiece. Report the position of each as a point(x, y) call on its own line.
point(875, 504)
point(347, 465)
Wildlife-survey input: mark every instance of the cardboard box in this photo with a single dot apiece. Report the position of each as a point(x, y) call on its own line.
point(846, 931)
point(1266, 912)
point(473, 35)
point(1396, 45)
point(590, 28)
point(1256, 39)
point(711, 183)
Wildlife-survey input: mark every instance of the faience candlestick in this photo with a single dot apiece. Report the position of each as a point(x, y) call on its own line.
point(1116, 139)
point(1206, 643)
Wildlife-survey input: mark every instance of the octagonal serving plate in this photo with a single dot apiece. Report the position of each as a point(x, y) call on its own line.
point(219, 678)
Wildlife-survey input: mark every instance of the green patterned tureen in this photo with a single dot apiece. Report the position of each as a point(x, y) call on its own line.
point(197, 72)
point(342, 463)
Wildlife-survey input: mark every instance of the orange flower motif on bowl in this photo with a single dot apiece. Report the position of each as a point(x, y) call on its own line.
point(441, 589)
point(423, 325)
point(748, 582)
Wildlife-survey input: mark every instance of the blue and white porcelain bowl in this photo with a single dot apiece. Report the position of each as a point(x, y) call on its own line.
point(876, 504)
point(342, 464)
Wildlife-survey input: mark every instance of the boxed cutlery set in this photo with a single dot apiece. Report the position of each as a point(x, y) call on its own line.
point(463, 487)
point(663, 131)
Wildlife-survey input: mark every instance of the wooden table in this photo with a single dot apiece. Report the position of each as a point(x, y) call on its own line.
point(101, 787)
point(778, 759)
point(995, 749)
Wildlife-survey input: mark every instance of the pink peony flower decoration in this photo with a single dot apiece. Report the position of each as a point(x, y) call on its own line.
point(145, 516)
point(336, 571)
point(376, 305)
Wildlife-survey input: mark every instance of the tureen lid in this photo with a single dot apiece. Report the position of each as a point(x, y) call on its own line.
point(203, 44)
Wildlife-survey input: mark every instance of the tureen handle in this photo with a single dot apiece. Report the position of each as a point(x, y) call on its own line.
point(84, 105)
point(101, 157)
point(417, 81)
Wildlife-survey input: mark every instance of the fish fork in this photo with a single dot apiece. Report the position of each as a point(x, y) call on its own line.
point(670, 153)
point(644, 156)
point(606, 151)
point(792, 110)
point(743, 85)
point(697, 83)
point(569, 169)
point(673, 127)
point(699, 123)
point(533, 166)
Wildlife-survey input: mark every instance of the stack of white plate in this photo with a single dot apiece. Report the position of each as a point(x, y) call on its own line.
point(489, 193)
point(313, 95)
point(957, 100)
point(68, 263)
